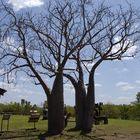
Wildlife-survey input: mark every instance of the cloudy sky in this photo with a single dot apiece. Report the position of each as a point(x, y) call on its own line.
point(20, 4)
point(116, 82)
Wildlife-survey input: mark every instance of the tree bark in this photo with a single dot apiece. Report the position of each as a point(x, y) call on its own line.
point(89, 115)
point(90, 99)
point(56, 107)
point(80, 95)
point(89, 106)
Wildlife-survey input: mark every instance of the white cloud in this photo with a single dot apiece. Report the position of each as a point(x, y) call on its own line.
point(10, 87)
point(125, 86)
point(25, 79)
point(124, 100)
point(121, 83)
point(68, 86)
point(10, 44)
point(129, 44)
point(22, 96)
point(1, 71)
point(31, 92)
point(120, 71)
point(90, 65)
point(123, 70)
point(97, 74)
point(138, 81)
point(98, 85)
point(20, 4)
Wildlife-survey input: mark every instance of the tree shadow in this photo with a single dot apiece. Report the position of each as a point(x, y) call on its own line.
point(69, 136)
point(43, 136)
point(92, 137)
point(18, 134)
point(47, 134)
point(73, 129)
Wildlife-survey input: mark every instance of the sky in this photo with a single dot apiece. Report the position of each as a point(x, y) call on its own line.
point(117, 82)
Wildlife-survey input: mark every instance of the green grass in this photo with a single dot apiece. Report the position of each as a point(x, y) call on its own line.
point(21, 122)
point(20, 129)
point(120, 126)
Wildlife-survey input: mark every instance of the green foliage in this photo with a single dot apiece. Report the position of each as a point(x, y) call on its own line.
point(111, 111)
point(122, 111)
point(134, 111)
point(71, 110)
point(17, 108)
point(10, 107)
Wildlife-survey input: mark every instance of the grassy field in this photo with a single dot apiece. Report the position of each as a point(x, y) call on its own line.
point(20, 129)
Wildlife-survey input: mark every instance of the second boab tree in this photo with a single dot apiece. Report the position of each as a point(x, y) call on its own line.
point(114, 37)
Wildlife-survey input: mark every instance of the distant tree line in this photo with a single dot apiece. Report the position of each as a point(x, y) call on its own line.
point(131, 111)
point(126, 112)
point(16, 108)
point(122, 111)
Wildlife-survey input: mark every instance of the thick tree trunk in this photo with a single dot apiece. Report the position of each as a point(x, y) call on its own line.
point(56, 107)
point(79, 106)
point(80, 95)
point(88, 117)
point(89, 108)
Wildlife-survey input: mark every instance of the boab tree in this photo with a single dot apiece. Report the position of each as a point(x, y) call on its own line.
point(92, 18)
point(116, 37)
point(39, 47)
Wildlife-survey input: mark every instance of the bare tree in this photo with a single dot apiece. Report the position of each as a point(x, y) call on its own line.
point(42, 46)
point(115, 36)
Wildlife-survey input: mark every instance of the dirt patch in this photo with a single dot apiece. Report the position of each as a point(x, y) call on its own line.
point(118, 136)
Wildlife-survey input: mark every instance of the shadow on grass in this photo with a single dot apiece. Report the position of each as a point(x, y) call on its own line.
point(62, 136)
point(20, 134)
point(35, 134)
point(86, 134)
point(73, 129)
point(70, 134)
point(43, 136)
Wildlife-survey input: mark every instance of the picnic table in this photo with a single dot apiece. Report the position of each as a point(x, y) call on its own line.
point(33, 118)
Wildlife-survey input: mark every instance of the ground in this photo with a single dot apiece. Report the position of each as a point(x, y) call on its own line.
point(38, 135)
point(121, 137)
point(20, 129)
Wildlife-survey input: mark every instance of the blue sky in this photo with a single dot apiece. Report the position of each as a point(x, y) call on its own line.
point(116, 82)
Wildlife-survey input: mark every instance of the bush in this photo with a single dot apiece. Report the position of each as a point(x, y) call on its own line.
point(111, 111)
